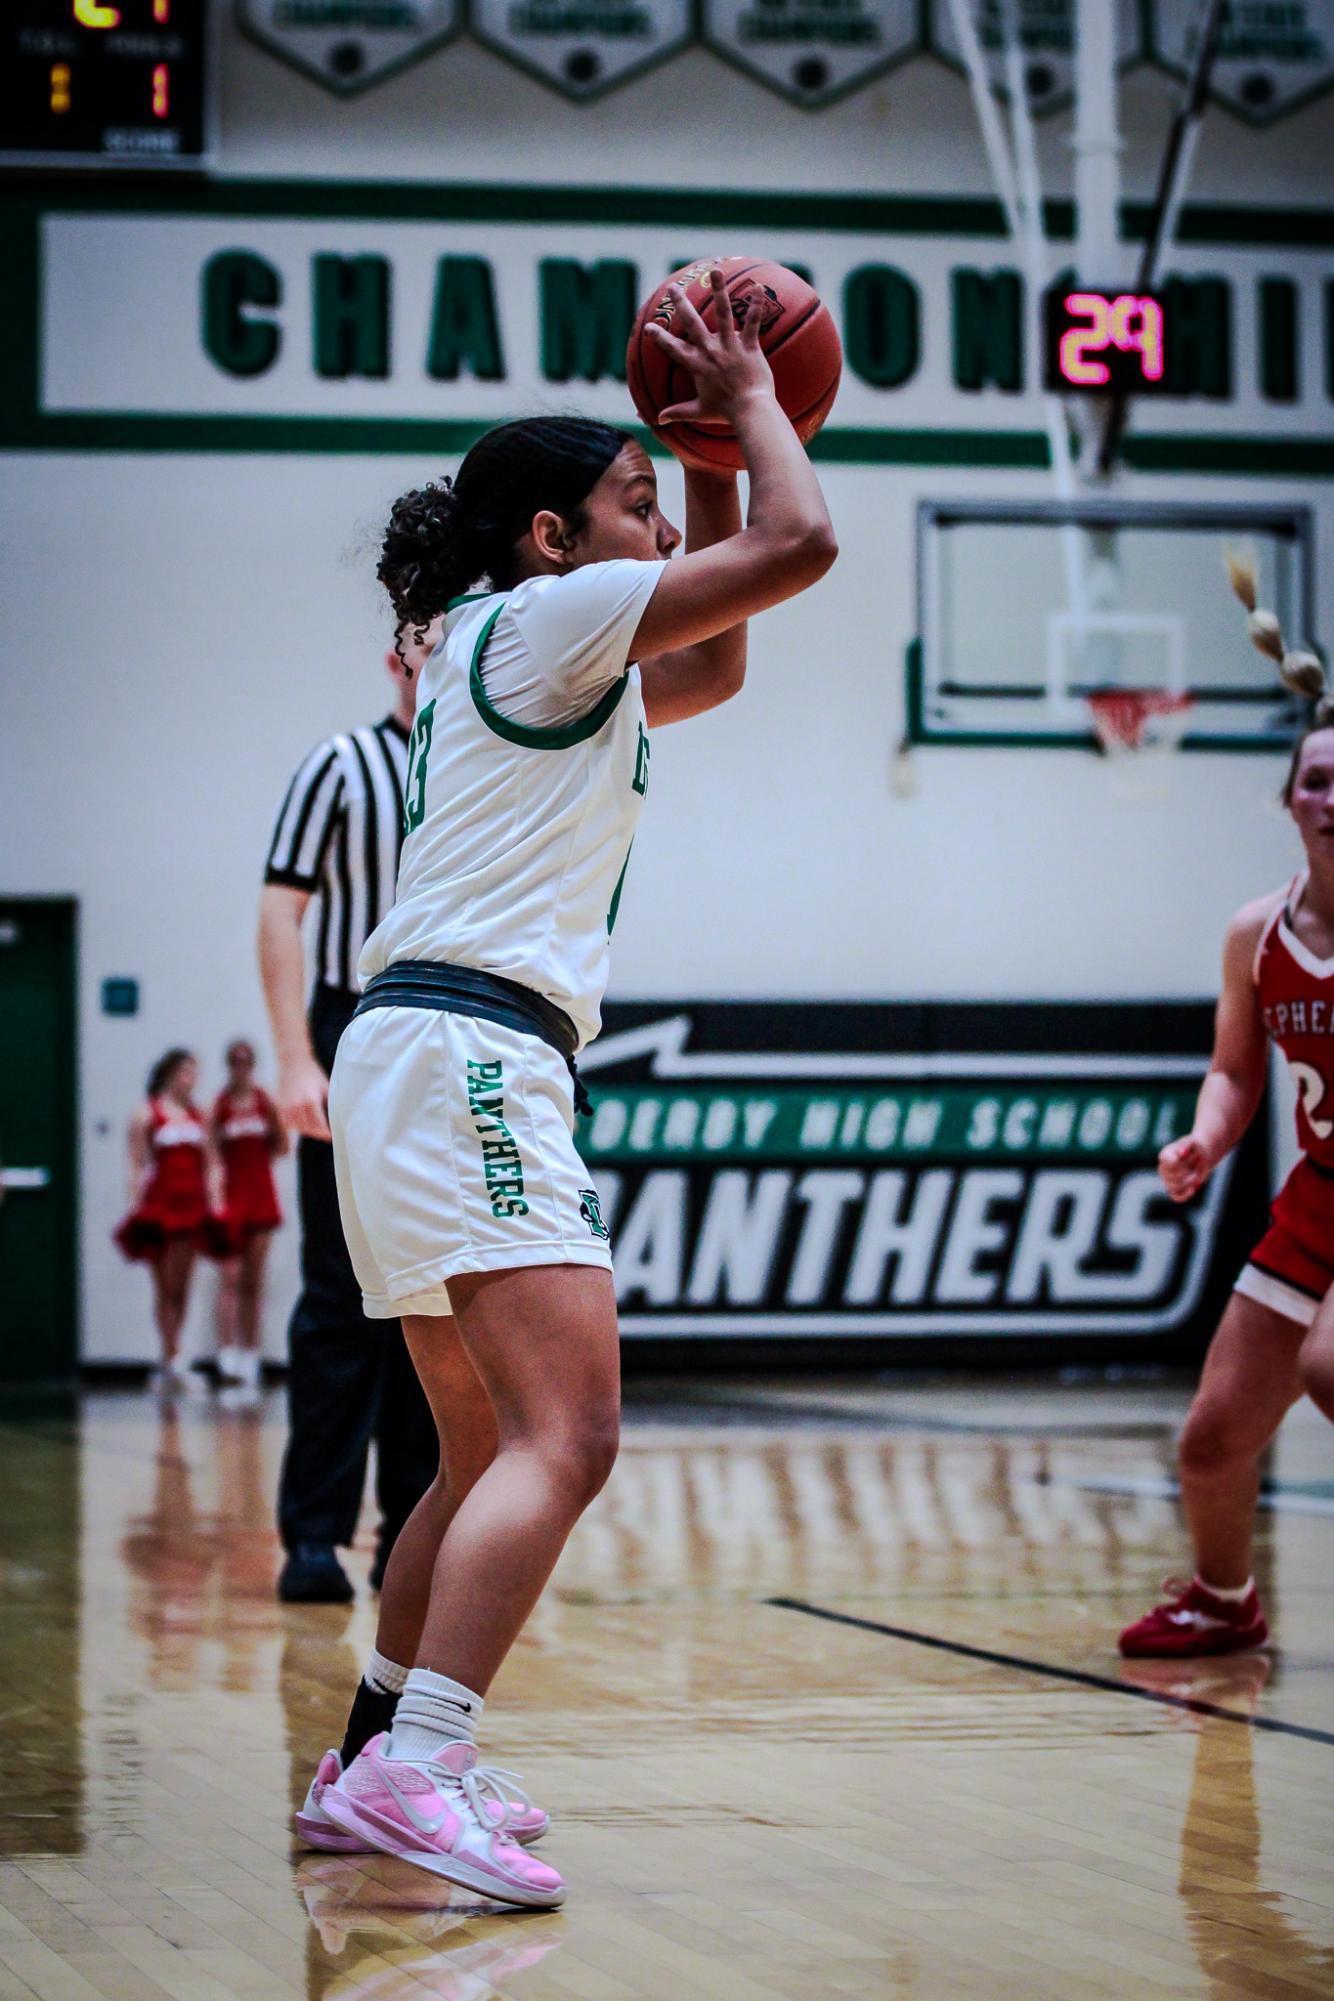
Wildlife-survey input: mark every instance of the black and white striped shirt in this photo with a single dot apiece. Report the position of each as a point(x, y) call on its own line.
point(338, 834)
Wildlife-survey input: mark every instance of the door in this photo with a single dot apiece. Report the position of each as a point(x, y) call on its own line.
point(39, 1333)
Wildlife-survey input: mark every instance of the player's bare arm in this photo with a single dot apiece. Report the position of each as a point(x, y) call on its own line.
point(1235, 1080)
point(787, 543)
point(693, 679)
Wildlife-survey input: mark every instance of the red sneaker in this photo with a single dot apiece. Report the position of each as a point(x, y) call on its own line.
point(1194, 1622)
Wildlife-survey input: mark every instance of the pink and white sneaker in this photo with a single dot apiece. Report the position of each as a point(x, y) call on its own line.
point(527, 1823)
point(436, 1814)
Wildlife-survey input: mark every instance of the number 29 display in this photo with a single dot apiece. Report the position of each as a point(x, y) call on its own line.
point(1105, 341)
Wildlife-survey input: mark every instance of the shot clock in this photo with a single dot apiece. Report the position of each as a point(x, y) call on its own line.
point(113, 82)
point(1108, 342)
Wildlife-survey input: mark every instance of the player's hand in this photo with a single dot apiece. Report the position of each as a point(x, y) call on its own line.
point(303, 1093)
point(726, 361)
point(1184, 1167)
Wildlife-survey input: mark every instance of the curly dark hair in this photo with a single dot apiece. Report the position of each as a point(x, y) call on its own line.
point(161, 1073)
point(450, 534)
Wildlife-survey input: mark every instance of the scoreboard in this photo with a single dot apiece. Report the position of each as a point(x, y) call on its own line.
point(124, 82)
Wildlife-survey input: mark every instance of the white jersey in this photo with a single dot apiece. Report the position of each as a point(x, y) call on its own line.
point(518, 836)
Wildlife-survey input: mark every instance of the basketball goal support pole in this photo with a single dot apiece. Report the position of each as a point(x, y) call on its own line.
point(1014, 175)
point(1173, 179)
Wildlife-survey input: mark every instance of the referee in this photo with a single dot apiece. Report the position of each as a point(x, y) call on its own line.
point(336, 841)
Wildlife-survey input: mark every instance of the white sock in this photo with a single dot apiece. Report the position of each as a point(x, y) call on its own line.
point(386, 1677)
point(1230, 1597)
point(432, 1710)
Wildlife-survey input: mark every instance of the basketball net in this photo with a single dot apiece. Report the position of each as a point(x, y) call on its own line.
point(1138, 730)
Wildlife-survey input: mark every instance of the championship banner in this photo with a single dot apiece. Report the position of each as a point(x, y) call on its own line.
point(348, 44)
point(774, 1169)
point(809, 51)
point(1046, 34)
point(583, 48)
point(1271, 59)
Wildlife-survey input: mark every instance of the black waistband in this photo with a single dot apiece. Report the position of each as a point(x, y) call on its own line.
point(463, 990)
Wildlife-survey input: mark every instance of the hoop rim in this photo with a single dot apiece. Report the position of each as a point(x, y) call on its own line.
point(1121, 717)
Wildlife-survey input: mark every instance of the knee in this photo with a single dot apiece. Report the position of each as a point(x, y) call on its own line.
point(1315, 1368)
point(1213, 1440)
point(581, 1462)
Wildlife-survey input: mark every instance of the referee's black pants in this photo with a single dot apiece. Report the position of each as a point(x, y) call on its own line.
point(350, 1379)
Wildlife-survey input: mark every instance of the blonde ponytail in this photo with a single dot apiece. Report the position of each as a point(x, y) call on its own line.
point(1299, 671)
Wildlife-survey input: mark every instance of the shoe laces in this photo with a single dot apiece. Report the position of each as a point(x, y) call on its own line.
point(483, 1786)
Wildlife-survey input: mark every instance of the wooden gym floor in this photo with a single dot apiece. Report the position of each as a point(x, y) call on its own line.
point(824, 1699)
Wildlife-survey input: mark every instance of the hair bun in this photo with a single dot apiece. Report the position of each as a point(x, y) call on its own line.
point(1304, 674)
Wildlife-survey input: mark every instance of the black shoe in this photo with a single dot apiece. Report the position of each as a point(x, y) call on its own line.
point(312, 1575)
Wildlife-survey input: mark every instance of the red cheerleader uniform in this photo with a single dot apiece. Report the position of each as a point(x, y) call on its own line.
point(175, 1202)
point(1292, 1267)
point(244, 1136)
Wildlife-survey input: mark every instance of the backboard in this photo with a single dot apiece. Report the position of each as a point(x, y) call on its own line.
point(1025, 609)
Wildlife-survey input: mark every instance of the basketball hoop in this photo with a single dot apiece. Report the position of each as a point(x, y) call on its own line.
point(1138, 729)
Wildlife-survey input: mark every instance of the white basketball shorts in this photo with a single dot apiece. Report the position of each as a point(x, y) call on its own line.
point(454, 1152)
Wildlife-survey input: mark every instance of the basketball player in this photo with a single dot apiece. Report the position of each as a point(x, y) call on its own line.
point(453, 1094)
point(1278, 984)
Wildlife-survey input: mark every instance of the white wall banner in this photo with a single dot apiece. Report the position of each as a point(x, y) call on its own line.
point(348, 44)
point(1270, 58)
point(1046, 30)
point(362, 317)
point(807, 50)
point(585, 49)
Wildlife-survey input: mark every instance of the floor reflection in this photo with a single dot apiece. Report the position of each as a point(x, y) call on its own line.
point(202, 1575)
point(1241, 1928)
point(383, 1932)
point(41, 1657)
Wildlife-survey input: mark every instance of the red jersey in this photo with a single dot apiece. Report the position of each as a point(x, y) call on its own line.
point(244, 1133)
point(1296, 996)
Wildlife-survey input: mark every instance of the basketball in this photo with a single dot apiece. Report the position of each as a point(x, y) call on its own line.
point(797, 334)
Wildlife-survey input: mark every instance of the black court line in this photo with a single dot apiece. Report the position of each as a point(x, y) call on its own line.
point(1195, 1704)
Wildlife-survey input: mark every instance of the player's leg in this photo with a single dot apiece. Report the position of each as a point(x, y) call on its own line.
point(1249, 1382)
point(466, 1444)
point(1316, 1361)
point(466, 1429)
point(407, 1448)
point(543, 1341)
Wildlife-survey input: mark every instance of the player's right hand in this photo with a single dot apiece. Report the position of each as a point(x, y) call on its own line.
point(726, 361)
point(1183, 1167)
point(303, 1093)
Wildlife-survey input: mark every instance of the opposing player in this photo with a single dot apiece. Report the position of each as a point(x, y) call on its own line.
point(249, 1136)
point(452, 1097)
point(1271, 1346)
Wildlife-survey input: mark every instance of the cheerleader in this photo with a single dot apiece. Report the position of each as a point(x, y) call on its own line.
point(173, 1176)
point(248, 1135)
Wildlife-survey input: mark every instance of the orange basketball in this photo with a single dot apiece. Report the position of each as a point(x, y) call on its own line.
point(797, 333)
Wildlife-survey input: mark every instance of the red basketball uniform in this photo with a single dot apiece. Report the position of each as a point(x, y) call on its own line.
point(1292, 1267)
point(175, 1202)
point(243, 1134)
